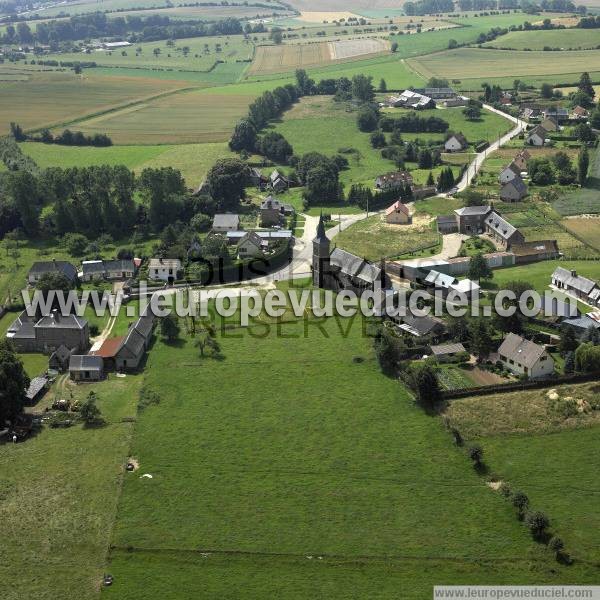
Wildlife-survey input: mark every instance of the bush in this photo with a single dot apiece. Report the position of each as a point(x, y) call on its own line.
point(537, 522)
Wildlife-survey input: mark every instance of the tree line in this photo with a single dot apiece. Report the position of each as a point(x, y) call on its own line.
point(96, 25)
point(66, 138)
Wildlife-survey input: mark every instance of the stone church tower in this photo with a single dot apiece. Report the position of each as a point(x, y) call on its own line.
point(320, 257)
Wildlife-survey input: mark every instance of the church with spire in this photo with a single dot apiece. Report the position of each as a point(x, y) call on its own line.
point(340, 270)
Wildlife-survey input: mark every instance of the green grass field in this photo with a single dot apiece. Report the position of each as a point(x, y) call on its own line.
point(526, 437)
point(565, 39)
point(59, 498)
point(202, 55)
point(255, 491)
point(332, 127)
point(53, 155)
point(473, 63)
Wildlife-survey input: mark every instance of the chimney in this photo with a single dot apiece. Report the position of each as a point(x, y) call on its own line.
point(573, 273)
point(56, 315)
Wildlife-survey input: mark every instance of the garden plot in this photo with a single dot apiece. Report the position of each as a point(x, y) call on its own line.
point(351, 48)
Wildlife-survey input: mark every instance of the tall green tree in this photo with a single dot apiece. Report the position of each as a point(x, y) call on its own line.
point(23, 189)
point(583, 165)
point(13, 383)
point(227, 180)
point(585, 85)
point(362, 88)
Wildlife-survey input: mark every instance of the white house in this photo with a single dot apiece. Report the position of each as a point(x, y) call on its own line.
point(250, 246)
point(523, 357)
point(456, 143)
point(165, 269)
point(509, 173)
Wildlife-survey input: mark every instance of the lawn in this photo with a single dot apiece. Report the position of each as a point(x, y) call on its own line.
point(537, 275)
point(186, 117)
point(59, 496)
point(55, 98)
point(565, 39)
point(374, 239)
point(469, 63)
point(526, 436)
point(255, 490)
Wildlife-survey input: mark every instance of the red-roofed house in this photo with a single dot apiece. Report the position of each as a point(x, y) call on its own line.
point(108, 351)
point(397, 214)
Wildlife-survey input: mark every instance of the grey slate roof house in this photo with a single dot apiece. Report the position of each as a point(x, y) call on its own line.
point(36, 389)
point(581, 325)
point(136, 342)
point(537, 136)
point(456, 143)
point(502, 232)
point(525, 358)
point(225, 222)
point(439, 93)
point(59, 359)
point(425, 326)
point(471, 219)
point(48, 333)
point(272, 211)
point(569, 281)
point(51, 266)
point(107, 269)
point(514, 190)
point(509, 173)
point(86, 367)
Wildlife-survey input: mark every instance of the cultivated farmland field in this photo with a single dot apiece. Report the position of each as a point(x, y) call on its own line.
point(288, 57)
point(467, 63)
point(558, 38)
point(53, 98)
point(186, 117)
point(275, 59)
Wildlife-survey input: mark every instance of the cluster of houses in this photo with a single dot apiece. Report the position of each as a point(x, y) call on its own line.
point(254, 244)
point(549, 120)
point(403, 179)
point(513, 188)
point(341, 270)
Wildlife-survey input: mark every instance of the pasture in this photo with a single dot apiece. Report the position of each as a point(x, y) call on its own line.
point(565, 39)
point(467, 63)
point(47, 99)
point(187, 117)
point(332, 127)
point(59, 497)
point(586, 229)
point(270, 489)
point(191, 54)
point(526, 436)
point(193, 160)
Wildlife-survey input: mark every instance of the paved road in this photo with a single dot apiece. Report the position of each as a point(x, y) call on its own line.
point(475, 165)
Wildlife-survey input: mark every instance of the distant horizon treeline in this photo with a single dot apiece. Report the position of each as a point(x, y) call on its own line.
point(427, 7)
point(66, 138)
point(134, 27)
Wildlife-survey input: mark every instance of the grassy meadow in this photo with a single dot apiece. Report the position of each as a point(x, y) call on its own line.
point(532, 444)
point(59, 496)
point(264, 487)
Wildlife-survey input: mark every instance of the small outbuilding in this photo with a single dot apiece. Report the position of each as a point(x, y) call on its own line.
point(397, 214)
point(86, 367)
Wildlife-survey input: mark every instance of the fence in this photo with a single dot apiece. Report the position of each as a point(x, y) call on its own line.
point(520, 386)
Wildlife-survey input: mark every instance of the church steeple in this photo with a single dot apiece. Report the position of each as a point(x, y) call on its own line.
point(321, 230)
point(320, 257)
